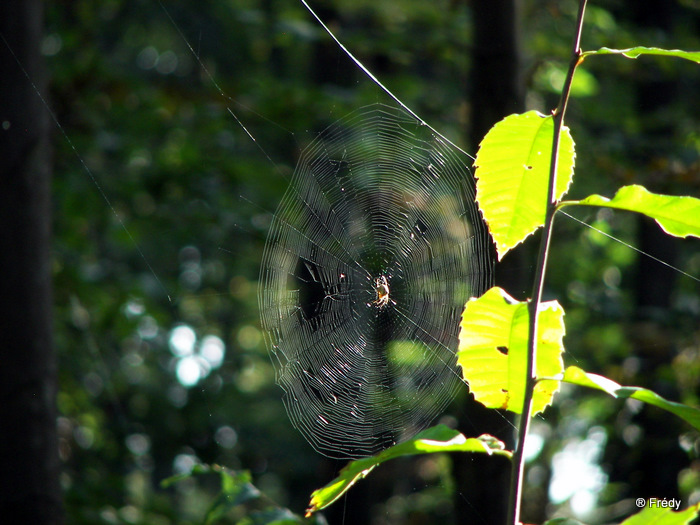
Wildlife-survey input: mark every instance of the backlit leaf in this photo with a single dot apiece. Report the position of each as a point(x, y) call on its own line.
point(439, 438)
point(634, 52)
point(493, 350)
point(678, 216)
point(512, 171)
point(577, 376)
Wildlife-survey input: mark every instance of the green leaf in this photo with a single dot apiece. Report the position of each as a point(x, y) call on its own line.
point(512, 171)
point(439, 438)
point(657, 515)
point(634, 52)
point(562, 521)
point(577, 376)
point(493, 350)
point(678, 216)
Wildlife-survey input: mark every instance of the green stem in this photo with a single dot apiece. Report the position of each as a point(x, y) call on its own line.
point(518, 463)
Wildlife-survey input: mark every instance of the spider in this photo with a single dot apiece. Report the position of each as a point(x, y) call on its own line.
point(381, 286)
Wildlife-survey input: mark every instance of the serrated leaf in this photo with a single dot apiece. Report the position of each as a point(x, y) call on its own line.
point(577, 376)
point(512, 171)
point(493, 350)
point(439, 438)
point(678, 216)
point(663, 516)
point(634, 52)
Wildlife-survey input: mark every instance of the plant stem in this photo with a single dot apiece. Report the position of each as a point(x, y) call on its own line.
point(518, 463)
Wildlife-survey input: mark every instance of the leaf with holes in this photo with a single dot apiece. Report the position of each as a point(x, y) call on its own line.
point(512, 171)
point(493, 350)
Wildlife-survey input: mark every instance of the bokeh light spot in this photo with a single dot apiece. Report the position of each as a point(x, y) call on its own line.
point(182, 340)
point(212, 350)
point(188, 371)
point(226, 437)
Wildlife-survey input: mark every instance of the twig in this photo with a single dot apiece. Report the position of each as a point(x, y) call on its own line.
point(518, 464)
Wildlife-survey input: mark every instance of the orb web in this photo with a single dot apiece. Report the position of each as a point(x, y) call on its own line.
point(374, 250)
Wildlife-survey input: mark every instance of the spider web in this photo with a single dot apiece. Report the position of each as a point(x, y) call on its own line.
point(376, 196)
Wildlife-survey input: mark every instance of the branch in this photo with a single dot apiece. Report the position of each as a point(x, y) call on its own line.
point(518, 465)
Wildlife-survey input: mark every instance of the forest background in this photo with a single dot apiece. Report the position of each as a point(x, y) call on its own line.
point(161, 201)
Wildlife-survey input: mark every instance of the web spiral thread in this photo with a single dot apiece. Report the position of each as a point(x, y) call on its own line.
point(377, 198)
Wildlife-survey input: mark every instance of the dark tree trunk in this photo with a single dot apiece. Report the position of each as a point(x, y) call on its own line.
point(29, 489)
point(497, 91)
point(497, 79)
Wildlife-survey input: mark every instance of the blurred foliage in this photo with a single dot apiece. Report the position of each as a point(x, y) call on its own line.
point(162, 202)
point(238, 499)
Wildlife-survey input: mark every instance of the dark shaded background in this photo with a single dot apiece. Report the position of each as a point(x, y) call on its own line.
point(161, 202)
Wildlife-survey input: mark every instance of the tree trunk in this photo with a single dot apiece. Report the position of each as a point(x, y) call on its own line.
point(497, 79)
point(29, 488)
point(497, 91)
